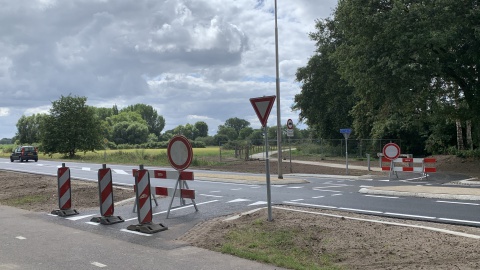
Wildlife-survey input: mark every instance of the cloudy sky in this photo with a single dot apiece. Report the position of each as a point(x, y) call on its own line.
point(192, 60)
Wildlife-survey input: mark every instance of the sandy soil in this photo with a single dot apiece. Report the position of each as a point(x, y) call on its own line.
point(355, 244)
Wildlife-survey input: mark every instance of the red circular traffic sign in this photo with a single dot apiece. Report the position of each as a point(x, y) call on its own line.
point(179, 152)
point(391, 151)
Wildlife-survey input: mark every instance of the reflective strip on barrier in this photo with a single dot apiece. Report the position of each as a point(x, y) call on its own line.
point(64, 188)
point(143, 192)
point(106, 192)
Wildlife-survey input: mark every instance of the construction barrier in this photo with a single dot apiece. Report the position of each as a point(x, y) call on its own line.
point(64, 193)
point(144, 204)
point(181, 189)
point(427, 165)
point(105, 192)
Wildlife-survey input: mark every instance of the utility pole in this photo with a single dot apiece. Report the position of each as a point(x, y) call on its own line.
point(279, 125)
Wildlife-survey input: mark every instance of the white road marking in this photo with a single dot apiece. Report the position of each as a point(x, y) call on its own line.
point(171, 210)
point(326, 190)
point(297, 200)
point(278, 185)
point(256, 187)
point(316, 197)
point(458, 203)
point(337, 194)
point(92, 223)
point(101, 265)
point(120, 171)
point(20, 237)
point(236, 189)
point(294, 187)
point(379, 196)
point(215, 191)
point(365, 186)
point(407, 215)
point(85, 169)
point(135, 232)
point(360, 210)
point(332, 187)
point(208, 195)
point(238, 200)
point(79, 217)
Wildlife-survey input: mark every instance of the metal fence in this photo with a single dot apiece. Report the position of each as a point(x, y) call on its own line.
point(321, 148)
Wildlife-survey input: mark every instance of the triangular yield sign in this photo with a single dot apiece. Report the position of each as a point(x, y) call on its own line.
point(262, 107)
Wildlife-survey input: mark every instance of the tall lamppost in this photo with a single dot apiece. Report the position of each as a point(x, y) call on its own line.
point(279, 124)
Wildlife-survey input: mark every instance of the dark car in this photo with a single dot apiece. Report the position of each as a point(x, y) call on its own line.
point(24, 153)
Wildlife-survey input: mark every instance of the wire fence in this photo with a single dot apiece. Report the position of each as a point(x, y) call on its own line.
point(321, 148)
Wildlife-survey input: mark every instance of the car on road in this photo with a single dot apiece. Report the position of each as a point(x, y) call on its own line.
point(24, 153)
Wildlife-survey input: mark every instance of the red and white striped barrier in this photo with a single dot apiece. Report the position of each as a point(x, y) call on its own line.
point(64, 193)
point(427, 165)
point(181, 189)
point(144, 204)
point(105, 192)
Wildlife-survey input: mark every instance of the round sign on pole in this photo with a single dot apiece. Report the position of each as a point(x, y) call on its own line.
point(179, 152)
point(391, 151)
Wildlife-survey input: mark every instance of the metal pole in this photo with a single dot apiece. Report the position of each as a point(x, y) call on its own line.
point(346, 152)
point(290, 147)
point(267, 172)
point(279, 125)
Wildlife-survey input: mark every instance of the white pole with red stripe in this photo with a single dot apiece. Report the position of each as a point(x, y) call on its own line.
point(105, 192)
point(64, 193)
point(144, 204)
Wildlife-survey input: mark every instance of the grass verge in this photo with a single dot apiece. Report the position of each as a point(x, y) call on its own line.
point(284, 248)
point(25, 200)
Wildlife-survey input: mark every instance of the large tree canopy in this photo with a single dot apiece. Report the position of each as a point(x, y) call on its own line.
point(71, 126)
point(408, 63)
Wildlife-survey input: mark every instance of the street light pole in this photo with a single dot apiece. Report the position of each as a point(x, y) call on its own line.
point(279, 124)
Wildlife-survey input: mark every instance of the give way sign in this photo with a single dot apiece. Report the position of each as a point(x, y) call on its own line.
point(262, 107)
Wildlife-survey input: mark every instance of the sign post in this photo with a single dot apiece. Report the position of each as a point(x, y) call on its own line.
point(262, 107)
point(346, 133)
point(290, 134)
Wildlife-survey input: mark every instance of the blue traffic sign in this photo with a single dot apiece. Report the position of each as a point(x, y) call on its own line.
point(346, 130)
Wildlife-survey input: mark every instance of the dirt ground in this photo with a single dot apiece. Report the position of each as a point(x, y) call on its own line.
point(356, 244)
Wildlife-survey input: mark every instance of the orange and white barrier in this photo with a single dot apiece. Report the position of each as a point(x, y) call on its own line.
point(427, 165)
point(64, 193)
point(181, 189)
point(144, 204)
point(105, 192)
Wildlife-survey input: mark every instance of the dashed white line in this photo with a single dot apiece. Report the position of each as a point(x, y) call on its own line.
point(235, 189)
point(238, 200)
point(297, 200)
point(208, 195)
point(215, 191)
point(101, 265)
point(316, 197)
point(337, 194)
point(79, 217)
point(135, 232)
point(258, 203)
point(458, 203)
point(20, 237)
point(326, 190)
point(295, 187)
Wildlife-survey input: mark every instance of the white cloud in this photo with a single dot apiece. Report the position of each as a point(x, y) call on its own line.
point(190, 60)
point(4, 112)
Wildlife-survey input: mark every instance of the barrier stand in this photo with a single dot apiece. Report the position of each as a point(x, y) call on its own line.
point(144, 205)
point(182, 193)
point(105, 192)
point(424, 169)
point(64, 193)
point(181, 190)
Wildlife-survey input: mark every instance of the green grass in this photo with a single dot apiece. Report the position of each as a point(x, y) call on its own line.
point(25, 200)
point(261, 242)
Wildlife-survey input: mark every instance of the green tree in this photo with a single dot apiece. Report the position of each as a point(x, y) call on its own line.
point(155, 122)
point(237, 124)
point(228, 132)
point(202, 129)
point(28, 128)
point(71, 126)
point(245, 133)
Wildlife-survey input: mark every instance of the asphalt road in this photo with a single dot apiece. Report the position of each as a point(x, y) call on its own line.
point(217, 194)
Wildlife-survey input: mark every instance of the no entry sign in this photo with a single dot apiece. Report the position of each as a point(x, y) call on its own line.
point(391, 151)
point(179, 152)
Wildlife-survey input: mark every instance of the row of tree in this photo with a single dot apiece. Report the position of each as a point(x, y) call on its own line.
point(73, 126)
point(400, 69)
